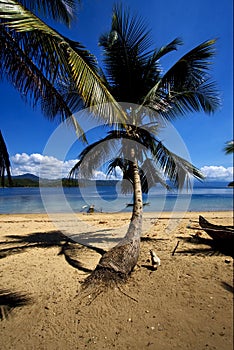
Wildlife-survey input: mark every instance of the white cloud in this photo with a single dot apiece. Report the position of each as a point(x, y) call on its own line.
point(221, 173)
point(100, 175)
point(47, 167)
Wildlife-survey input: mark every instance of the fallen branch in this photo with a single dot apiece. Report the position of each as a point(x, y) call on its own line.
point(174, 250)
point(121, 291)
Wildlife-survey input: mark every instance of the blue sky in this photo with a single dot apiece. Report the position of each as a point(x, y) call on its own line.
point(27, 131)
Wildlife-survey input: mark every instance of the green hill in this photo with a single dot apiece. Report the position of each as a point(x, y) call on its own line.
point(30, 180)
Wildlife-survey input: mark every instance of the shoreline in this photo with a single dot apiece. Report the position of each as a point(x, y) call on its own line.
point(121, 213)
point(104, 230)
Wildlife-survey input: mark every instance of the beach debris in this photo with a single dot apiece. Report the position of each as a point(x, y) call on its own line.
point(174, 250)
point(160, 327)
point(154, 259)
point(90, 209)
point(227, 261)
point(129, 296)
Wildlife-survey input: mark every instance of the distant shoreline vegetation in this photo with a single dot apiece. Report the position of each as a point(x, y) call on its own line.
point(30, 180)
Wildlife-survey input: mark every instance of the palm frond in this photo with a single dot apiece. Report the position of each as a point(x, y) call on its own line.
point(94, 156)
point(152, 67)
point(130, 41)
point(32, 84)
point(193, 65)
point(50, 46)
point(125, 165)
point(151, 176)
point(59, 10)
point(131, 31)
point(203, 98)
point(186, 86)
point(172, 46)
point(229, 148)
point(177, 169)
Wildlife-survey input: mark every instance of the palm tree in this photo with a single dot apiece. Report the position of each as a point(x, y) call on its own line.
point(229, 148)
point(39, 61)
point(4, 162)
point(133, 74)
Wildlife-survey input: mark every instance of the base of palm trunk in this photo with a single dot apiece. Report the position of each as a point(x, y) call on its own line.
point(116, 264)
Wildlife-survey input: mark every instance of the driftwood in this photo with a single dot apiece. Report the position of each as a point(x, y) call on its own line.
point(174, 250)
point(132, 204)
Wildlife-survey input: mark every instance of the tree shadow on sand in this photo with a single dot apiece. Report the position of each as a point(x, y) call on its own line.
point(72, 251)
point(76, 250)
point(16, 244)
point(227, 286)
point(11, 300)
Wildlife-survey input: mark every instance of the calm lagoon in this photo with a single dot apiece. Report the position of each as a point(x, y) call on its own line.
point(210, 196)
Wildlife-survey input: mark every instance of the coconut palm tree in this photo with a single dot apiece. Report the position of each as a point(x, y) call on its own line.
point(229, 147)
point(4, 162)
point(38, 60)
point(133, 74)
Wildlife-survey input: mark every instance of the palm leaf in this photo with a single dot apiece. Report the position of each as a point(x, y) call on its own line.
point(59, 10)
point(192, 66)
point(229, 148)
point(186, 86)
point(32, 84)
point(203, 98)
point(29, 79)
point(94, 156)
point(151, 176)
point(172, 46)
point(53, 47)
point(130, 41)
point(177, 169)
point(152, 69)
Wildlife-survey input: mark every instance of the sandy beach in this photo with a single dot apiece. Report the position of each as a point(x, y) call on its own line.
point(187, 303)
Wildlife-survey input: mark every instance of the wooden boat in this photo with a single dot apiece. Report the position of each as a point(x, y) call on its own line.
point(217, 232)
point(132, 204)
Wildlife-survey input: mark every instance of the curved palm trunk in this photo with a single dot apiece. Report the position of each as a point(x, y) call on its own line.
point(123, 257)
point(4, 162)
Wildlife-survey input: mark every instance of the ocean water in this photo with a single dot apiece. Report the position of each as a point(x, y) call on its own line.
point(212, 196)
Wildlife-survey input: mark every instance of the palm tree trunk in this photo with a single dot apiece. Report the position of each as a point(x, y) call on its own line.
point(4, 162)
point(123, 257)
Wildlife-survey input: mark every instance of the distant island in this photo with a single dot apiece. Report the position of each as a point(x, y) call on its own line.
point(30, 180)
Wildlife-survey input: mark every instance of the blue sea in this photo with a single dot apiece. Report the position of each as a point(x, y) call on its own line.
point(209, 196)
